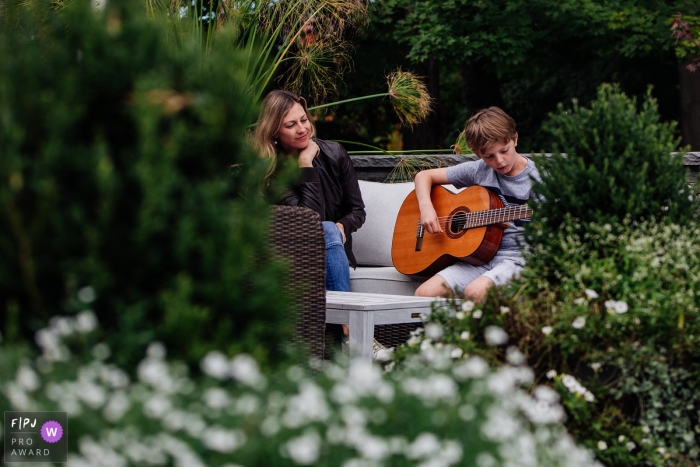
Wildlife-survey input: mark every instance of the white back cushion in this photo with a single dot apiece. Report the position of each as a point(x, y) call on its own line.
point(372, 243)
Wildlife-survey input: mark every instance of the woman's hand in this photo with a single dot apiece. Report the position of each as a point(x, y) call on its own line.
point(308, 154)
point(341, 227)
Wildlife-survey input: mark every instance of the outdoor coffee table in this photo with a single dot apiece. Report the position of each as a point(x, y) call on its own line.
point(363, 311)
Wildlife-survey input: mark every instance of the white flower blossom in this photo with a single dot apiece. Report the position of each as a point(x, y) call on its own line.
point(87, 294)
point(547, 330)
point(434, 331)
point(467, 306)
point(464, 336)
point(580, 301)
point(304, 449)
point(456, 353)
point(86, 321)
point(215, 364)
point(621, 307)
point(477, 314)
point(245, 369)
point(551, 374)
point(504, 310)
point(222, 440)
point(495, 335)
point(595, 366)
point(602, 445)
point(630, 446)
point(591, 294)
point(579, 322)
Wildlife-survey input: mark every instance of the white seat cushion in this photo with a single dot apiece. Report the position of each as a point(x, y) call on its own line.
point(386, 280)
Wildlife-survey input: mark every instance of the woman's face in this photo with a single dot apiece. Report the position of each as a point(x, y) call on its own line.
point(295, 130)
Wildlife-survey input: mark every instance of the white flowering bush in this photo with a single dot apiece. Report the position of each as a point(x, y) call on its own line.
point(436, 412)
point(616, 337)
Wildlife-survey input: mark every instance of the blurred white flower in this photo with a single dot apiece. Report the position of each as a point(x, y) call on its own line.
point(546, 394)
point(424, 446)
point(215, 364)
point(466, 413)
point(156, 350)
point(27, 378)
point(467, 306)
point(216, 398)
point(589, 396)
point(478, 314)
point(62, 326)
point(630, 445)
point(47, 339)
point(591, 294)
point(473, 367)
point(579, 322)
point(547, 330)
point(245, 369)
point(621, 307)
point(304, 449)
point(116, 407)
point(456, 353)
point(101, 351)
point(384, 355)
point(87, 294)
point(434, 331)
point(580, 301)
point(484, 459)
point(464, 336)
point(602, 445)
point(504, 310)
point(595, 366)
point(220, 439)
point(156, 406)
point(551, 374)
point(495, 335)
point(86, 321)
point(514, 356)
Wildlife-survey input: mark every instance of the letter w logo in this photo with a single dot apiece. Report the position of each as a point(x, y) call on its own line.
point(52, 432)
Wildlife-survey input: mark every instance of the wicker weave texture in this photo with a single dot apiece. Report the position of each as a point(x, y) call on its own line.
point(393, 335)
point(296, 235)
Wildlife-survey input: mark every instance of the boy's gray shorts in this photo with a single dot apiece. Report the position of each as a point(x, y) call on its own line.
point(502, 268)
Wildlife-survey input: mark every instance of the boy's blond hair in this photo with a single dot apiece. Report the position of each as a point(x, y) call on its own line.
point(487, 127)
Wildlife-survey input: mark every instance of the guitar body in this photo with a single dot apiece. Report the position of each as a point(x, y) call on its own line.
point(434, 252)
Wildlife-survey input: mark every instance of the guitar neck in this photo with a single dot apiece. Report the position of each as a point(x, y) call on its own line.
point(496, 216)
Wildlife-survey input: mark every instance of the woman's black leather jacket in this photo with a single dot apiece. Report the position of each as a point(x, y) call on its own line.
point(331, 189)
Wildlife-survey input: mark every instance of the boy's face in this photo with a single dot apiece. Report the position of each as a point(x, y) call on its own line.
point(502, 157)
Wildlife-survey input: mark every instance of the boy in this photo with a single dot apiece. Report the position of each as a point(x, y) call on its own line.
point(491, 134)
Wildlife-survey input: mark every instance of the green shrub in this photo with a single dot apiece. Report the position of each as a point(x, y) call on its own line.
point(125, 181)
point(611, 161)
point(437, 413)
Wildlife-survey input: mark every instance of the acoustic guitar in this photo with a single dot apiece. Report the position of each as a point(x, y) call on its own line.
point(472, 221)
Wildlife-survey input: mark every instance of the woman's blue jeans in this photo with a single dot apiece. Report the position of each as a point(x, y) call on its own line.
point(337, 267)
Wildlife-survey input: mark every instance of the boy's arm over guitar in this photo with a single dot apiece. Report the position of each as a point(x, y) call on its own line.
point(424, 184)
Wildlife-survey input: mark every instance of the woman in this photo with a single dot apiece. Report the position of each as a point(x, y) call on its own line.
point(327, 182)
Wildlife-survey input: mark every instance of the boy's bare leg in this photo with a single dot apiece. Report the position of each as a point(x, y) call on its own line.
point(434, 287)
point(476, 289)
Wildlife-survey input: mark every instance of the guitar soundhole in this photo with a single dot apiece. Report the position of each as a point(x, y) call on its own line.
point(456, 221)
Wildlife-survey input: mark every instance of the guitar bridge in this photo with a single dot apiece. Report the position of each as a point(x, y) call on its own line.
point(419, 236)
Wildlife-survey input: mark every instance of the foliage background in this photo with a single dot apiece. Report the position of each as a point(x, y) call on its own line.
point(125, 174)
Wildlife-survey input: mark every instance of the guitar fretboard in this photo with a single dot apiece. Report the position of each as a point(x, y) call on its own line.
point(496, 216)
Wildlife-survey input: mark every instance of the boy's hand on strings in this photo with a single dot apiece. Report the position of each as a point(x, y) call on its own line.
point(430, 221)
